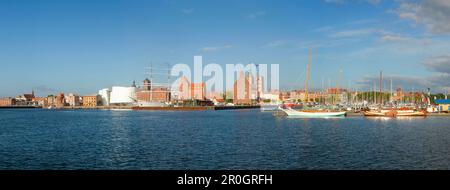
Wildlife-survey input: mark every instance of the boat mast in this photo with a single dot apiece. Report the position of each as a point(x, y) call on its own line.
point(307, 75)
point(390, 97)
point(151, 81)
point(321, 95)
point(374, 92)
point(381, 88)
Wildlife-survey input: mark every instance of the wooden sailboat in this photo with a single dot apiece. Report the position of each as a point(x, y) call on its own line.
point(392, 112)
point(395, 113)
point(311, 113)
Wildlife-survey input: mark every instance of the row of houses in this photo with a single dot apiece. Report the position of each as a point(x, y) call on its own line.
point(58, 101)
point(244, 92)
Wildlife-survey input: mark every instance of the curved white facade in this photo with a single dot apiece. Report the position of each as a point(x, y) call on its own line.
point(122, 95)
point(105, 95)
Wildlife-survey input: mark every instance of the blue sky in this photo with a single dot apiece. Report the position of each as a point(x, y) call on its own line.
point(83, 46)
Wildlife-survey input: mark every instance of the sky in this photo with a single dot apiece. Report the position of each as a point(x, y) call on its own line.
point(85, 45)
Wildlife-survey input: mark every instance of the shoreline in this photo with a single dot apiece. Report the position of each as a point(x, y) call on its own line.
point(184, 108)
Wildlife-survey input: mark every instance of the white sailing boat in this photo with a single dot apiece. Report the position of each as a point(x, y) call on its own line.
point(311, 113)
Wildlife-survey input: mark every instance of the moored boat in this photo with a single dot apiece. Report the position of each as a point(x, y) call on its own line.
point(312, 113)
point(394, 113)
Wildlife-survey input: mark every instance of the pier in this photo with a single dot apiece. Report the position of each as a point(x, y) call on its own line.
point(168, 108)
point(19, 107)
point(196, 108)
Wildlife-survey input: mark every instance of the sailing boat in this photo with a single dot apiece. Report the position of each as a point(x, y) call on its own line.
point(311, 113)
point(392, 112)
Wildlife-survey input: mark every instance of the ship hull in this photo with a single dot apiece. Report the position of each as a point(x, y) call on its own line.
point(395, 113)
point(317, 114)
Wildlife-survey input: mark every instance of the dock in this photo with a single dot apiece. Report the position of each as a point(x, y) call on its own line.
point(195, 108)
point(19, 107)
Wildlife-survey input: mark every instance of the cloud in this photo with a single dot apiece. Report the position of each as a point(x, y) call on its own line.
point(187, 11)
point(353, 33)
point(433, 14)
point(405, 82)
point(44, 90)
point(372, 2)
point(440, 64)
point(256, 14)
point(302, 45)
point(395, 38)
point(439, 80)
point(279, 43)
point(215, 48)
point(335, 1)
point(323, 29)
point(362, 21)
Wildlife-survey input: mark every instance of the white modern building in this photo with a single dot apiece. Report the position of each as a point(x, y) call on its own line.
point(273, 96)
point(122, 95)
point(105, 96)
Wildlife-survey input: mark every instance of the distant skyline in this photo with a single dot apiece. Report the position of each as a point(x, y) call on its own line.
point(86, 45)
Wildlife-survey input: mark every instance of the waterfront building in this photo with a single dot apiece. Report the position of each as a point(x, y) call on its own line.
point(123, 95)
point(39, 101)
point(105, 96)
point(198, 91)
point(60, 100)
point(242, 89)
point(443, 105)
point(259, 87)
point(7, 102)
point(25, 99)
point(147, 84)
point(300, 96)
point(336, 95)
point(218, 101)
point(214, 95)
point(50, 101)
point(72, 100)
point(183, 91)
point(297, 95)
point(189, 91)
point(90, 101)
point(156, 94)
point(272, 96)
point(284, 96)
point(397, 96)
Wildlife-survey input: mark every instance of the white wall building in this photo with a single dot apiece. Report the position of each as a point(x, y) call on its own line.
point(105, 96)
point(271, 96)
point(123, 95)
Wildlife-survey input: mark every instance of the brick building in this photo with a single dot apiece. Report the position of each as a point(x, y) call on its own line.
point(90, 101)
point(189, 91)
point(7, 102)
point(242, 89)
point(73, 100)
point(156, 94)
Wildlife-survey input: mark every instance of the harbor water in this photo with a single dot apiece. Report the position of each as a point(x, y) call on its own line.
point(228, 139)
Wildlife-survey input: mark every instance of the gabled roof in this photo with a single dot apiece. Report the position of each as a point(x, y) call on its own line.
point(28, 96)
point(442, 101)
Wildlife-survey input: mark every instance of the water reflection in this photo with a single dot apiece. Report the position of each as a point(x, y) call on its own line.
point(102, 139)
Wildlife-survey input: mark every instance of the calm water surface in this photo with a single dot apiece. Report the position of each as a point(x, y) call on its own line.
point(235, 139)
